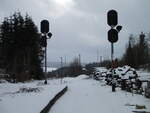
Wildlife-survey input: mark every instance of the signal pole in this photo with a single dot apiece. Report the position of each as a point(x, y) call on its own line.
point(112, 52)
point(45, 35)
point(45, 65)
point(112, 21)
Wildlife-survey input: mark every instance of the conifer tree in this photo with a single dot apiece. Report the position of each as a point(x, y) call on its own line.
point(20, 47)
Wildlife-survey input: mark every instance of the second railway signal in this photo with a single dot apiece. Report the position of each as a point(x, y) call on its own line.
point(112, 35)
point(112, 18)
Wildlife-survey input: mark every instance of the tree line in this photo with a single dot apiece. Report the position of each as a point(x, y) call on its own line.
point(137, 52)
point(20, 49)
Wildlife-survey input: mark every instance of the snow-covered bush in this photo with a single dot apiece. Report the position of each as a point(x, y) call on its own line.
point(28, 90)
point(3, 81)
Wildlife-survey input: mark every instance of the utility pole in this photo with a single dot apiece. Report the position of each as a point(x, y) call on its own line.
point(97, 55)
point(65, 61)
point(79, 59)
point(61, 71)
point(100, 60)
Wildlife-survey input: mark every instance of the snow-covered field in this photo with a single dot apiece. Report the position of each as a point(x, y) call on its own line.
point(84, 95)
point(144, 75)
point(15, 100)
point(50, 69)
point(89, 96)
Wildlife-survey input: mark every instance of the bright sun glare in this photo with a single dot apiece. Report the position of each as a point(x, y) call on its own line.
point(63, 2)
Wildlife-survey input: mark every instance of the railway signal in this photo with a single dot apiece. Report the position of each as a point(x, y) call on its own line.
point(112, 35)
point(45, 34)
point(112, 18)
point(112, 21)
point(44, 26)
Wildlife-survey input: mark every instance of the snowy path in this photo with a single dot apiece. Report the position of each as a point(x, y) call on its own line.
point(89, 96)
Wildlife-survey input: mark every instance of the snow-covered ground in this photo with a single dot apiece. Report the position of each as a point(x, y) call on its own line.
point(14, 100)
point(89, 96)
point(144, 75)
point(101, 69)
point(84, 95)
point(50, 69)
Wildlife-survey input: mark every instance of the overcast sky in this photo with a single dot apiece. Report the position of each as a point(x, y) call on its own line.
point(80, 26)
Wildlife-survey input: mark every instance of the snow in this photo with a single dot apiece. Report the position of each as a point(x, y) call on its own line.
point(81, 77)
point(50, 69)
point(144, 75)
point(84, 95)
point(32, 102)
point(90, 96)
point(124, 72)
point(101, 69)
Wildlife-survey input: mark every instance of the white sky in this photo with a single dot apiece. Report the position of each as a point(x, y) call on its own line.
point(80, 26)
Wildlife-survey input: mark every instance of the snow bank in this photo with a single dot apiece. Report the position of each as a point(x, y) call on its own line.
point(3, 81)
point(80, 77)
point(101, 69)
point(50, 69)
point(123, 72)
point(127, 71)
point(144, 75)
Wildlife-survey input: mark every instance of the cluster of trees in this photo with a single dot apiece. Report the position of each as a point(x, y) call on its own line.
point(90, 67)
point(20, 47)
point(74, 69)
point(137, 52)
